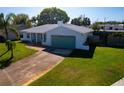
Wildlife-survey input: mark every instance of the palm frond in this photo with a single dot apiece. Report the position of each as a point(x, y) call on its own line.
point(10, 17)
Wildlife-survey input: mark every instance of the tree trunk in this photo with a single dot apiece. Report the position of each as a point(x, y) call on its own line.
point(6, 32)
point(11, 53)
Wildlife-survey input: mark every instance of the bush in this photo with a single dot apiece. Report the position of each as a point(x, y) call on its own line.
point(2, 39)
point(117, 34)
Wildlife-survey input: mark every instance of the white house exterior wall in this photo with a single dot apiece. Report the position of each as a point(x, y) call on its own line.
point(80, 38)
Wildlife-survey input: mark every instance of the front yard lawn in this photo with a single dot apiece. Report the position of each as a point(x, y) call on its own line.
point(104, 68)
point(20, 52)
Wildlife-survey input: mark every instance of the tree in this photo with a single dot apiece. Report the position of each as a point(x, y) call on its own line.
point(22, 19)
point(34, 20)
point(77, 21)
point(81, 21)
point(86, 21)
point(110, 22)
point(52, 16)
point(95, 27)
point(5, 23)
point(10, 46)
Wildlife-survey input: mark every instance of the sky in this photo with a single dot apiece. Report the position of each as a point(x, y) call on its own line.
point(94, 13)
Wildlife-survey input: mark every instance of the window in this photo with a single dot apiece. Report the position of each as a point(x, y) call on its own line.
point(102, 27)
point(44, 37)
point(28, 35)
point(110, 28)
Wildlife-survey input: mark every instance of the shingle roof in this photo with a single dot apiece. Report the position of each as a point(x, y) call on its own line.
point(48, 27)
point(81, 29)
point(41, 29)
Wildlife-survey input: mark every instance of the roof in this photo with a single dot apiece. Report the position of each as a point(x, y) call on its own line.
point(81, 29)
point(48, 27)
point(40, 29)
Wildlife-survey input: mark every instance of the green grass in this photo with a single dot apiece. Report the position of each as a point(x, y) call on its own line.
point(20, 52)
point(104, 68)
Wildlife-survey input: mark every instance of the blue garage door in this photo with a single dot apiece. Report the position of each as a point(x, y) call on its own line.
point(63, 42)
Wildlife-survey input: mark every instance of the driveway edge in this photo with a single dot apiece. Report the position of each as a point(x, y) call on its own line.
point(119, 83)
point(41, 74)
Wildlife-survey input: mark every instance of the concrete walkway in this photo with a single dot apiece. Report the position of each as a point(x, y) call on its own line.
point(28, 69)
point(119, 83)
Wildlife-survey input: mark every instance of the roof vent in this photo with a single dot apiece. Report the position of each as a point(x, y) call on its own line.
point(60, 23)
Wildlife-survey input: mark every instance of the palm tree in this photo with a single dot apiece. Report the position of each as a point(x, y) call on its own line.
point(10, 46)
point(5, 23)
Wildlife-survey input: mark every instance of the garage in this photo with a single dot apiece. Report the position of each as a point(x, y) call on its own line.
point(63, 41)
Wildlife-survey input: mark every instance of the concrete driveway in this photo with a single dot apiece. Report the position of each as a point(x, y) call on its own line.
point(29, 69)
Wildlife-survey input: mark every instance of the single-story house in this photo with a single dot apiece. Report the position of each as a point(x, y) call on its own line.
point(58, 35)
point(11, 35)
point(111, 27)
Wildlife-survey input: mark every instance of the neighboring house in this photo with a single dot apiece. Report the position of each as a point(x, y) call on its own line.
point(58, 35)
point(12, 35)
point(1, 33)
point(19, 27)
point(112, 27)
